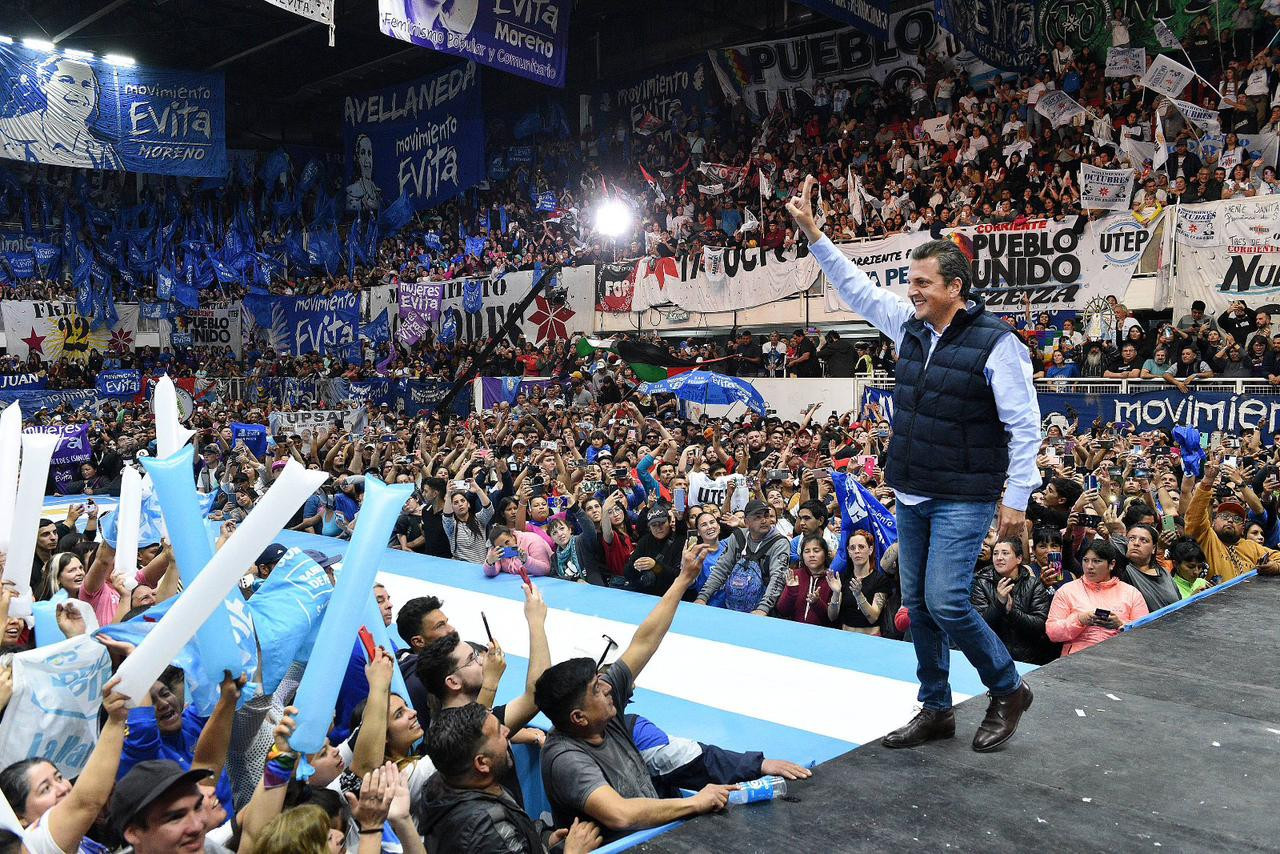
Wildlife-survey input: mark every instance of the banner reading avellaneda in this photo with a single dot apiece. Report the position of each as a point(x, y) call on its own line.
point(71, 111)
point(525, 37)
point(424, 138)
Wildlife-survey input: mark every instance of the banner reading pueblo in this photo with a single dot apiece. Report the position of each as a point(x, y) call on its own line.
point(1227, 251)
point(212, 328)
point(1060, 264)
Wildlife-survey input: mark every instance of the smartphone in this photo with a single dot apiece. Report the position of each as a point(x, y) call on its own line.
point(538, 491)
point(1091, 481)
point(1055, 565)
point(510, 551)
point(1088, 520)
point(548, 446)
point(366, 640)
point(869, 465)
point(1101, 614)
point(1169, 524)
point(678, 500)
point(458, 485)
point(620, 474)
point(485, 620)
point(592, 486)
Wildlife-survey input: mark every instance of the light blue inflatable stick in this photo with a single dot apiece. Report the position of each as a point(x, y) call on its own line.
point(47, 629)
point(175, 485)
point(347, 611)
point(373, 621)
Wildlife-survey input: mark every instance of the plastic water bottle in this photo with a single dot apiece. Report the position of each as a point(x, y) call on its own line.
point(763, 789)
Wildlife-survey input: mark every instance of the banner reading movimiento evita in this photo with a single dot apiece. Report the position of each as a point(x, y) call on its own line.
point(424, 139)
point(65, 110)
point(525, 37)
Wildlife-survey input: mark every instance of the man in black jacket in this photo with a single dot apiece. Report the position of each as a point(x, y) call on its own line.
point(656, 560)
point(466, 809)
point(838, 354)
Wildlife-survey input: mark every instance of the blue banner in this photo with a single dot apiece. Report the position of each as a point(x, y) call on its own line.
point(1164, 410)
point(34, 401)
point(23, 382)
point(180, 340)
point(1001, 34)
point(529, 39)
point(254, 437)
point(319, 324)
point(71, 111)
point(124, 383)
point(378, 331)
point(870, 16)
point(423, 140)
point(21, 264)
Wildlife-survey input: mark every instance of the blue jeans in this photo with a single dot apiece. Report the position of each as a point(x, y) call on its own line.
point(938, 544)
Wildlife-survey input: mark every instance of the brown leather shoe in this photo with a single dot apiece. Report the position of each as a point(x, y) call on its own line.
point(928, 725)
point(1002, 719)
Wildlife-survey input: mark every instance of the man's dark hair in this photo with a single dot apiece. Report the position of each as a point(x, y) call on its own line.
point(561, 688)
point(817, 508)
point(454, 740)
point(1136, 513)
point(1067, 488)
point(1186, 549)
point(952, 262)
point(409, 620)
point(435, 663)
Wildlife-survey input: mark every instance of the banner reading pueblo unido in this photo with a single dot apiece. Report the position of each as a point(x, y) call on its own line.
point(1061, 265)
point(213, 328)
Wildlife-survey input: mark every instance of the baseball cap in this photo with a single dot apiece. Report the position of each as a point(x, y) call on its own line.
point(659, 513)
point(519, 441)
point(1233, 507)
point(271, 554)
point(145, 782)
point(754, 508)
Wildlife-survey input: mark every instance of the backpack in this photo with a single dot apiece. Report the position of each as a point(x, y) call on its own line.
point(749, 577)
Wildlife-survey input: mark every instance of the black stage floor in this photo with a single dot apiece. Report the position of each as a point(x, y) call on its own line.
point(1178, 749)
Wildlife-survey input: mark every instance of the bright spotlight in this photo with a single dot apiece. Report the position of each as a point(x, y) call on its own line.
point(38, 44)
point(78, 54)
point(117, 59)
point(613, 218)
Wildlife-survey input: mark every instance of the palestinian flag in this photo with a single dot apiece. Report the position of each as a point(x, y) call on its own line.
point(650, 362)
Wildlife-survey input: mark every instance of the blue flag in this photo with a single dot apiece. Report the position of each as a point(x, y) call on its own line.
point(254, 436)
point(449, 327)
point(432, 241)
point(397, 215)
point(378, 331)
point(186, 295)
point(475, 246)
point(472, 296)
point(165, 283)
point(861, 511)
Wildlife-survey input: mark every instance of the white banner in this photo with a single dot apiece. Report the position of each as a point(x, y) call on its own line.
point(937, 129)
point(751, 277)
point(304, 419)
point(53, 714)
point(1201, 117)
point(53, 330)
point(1167, 76)
point(1249, 268)
point(316, 10)
point(1058, 266)
point(547, 319)
point(210, 329)
point(1126, 61)
point(1105, 189)
point(1197, 226)
point(764, 73)
point(885, 261)
point(1058, 107)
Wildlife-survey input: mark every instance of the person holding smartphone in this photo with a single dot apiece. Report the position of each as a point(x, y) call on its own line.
point(1095, 606)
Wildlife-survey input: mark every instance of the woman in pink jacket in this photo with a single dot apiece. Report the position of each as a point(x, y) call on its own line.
point(512, 551)
point(1095, 606)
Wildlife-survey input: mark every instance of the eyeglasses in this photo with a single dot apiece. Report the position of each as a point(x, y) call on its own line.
point(1230, 517)
point(612, 644)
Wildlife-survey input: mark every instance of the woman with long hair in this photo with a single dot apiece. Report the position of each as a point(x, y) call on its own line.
point(466, 513)
point(811, 593)
point(63, 574)
point(864, 589)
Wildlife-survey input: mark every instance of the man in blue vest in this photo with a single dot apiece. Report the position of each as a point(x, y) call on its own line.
point(966, 428)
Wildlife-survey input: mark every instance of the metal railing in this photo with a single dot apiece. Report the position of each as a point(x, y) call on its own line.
point(1094, 385)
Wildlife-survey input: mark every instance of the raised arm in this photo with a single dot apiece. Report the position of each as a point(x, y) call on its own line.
point(649, 635)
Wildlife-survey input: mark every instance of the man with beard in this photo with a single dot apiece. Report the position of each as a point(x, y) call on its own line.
point(1221, 534)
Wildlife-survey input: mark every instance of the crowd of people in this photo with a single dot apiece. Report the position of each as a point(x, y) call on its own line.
point(587, 480)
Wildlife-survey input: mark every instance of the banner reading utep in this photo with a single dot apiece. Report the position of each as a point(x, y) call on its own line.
point(423, 139)
point(419, 309)
point(525, 37)
point(319, 324)
point(71, 111)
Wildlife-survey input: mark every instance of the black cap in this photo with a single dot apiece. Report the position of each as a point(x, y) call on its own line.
point(754, 508)
point(145, 782)
point(659, 512)
point(271, 554)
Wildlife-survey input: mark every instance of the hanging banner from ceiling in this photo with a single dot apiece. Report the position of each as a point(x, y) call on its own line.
point(1002, 33)
point(763, 73)
point(423, 139)
point(870, 16)
point(66, 110)
point(529, 38)
point(320, 11)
